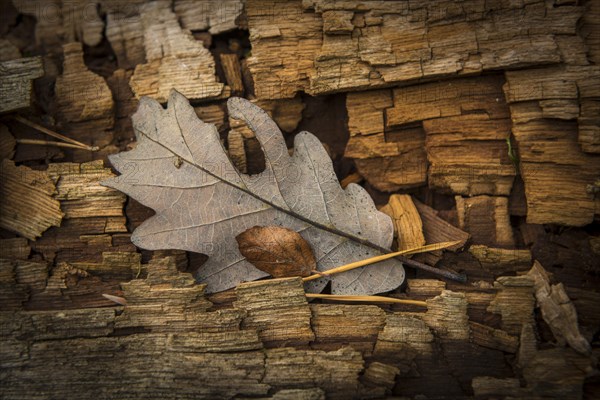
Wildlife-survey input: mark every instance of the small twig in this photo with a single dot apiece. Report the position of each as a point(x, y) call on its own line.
point(369, 299)
point(54, 134)
point(372, 260)
point(47, 143)
point(119, 300)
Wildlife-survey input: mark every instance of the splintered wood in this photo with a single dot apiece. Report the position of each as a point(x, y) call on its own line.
point(258, 346)
point(16, 82)
point(27, 204)
point(321, 47)
point(554, 115)
point(174, 59)
point(60, 22)
point(83, 99)
point(93, 215)
point(451, 133)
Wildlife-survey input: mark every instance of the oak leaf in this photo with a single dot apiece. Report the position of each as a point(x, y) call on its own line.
point(181, 170)
point(280, 252)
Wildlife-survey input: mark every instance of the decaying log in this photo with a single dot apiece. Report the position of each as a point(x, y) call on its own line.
point(453, 132)
point(380, 374)
point(125, 32)
point(557, 310)
point(322, 47)
point(18, 279)
point(14, 249)
point(550, 108)
point(514, 301)
point(354, 325)
point(486, 218)
point(493, 338)
point(280, 314)
point(93, 214)
point(27, 205)
point(84, 101)
point(501, 261)
point(7, 143)
point(389, 161)
point(174, 59)
point(233, 73)
point(60, 22)
point(168, 333)
point(8, 51)
point(216, 17)
point(16, 82)
point(461, 98)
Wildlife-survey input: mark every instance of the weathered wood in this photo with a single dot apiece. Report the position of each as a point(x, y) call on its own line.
point(174, 59)
point(7, 143)
point(422, 83)
point(17, 279)
point(501, 261)
point(436, 230)
point(125, 32)
point(16, 82)
point(408, 228)
point(493, 338)
point(514, 301)
point(14, 249)
point(486, 218)
point(447, 315)
point(84, 102)
point(555, 170)
point(356, 325)
point(27, 204)
point(277, 309)
point(233, 73)
point(204, 15)
point(557, 310)
point(63, 22)
point(93, 214)
point(380, 374)
point(322, 47)
point(8, 51)
point(389, 161)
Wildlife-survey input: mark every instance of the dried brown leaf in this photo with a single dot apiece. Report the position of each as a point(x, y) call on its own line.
point(278, 251)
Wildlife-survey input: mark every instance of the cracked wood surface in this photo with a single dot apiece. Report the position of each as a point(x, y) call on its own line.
point(321, 47)
point(268, 343)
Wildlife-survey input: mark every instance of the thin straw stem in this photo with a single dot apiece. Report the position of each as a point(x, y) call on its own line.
point(372, 260)
point(368, 299)
point(49, 132)
point(48, 143)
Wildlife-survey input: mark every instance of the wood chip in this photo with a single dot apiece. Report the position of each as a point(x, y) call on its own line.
point(486, 218)
point(408, 227)
point(174, 59)
point(16, 78)
point(557, 310)
point(28, 207)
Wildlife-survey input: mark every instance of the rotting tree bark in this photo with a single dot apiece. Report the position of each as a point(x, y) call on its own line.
point(433, 91)
point(168, 335)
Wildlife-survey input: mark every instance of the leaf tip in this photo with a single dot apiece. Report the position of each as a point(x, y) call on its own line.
point(175, 96)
